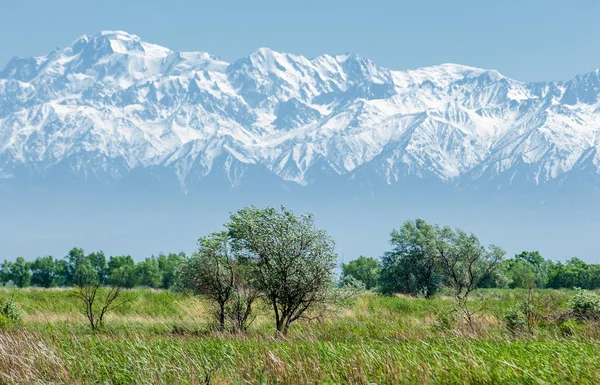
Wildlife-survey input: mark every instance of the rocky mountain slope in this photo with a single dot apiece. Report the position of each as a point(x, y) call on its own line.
point(111, 103)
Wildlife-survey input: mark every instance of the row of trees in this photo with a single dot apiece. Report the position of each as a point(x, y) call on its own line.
point(155, 272)
point(418, 264)
point(282, 259)
point(410, 267)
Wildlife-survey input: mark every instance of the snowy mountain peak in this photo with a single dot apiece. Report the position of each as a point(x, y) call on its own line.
point(110, 103)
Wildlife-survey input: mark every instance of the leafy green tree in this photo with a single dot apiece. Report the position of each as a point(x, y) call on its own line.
point(62, 272)
point(122, 269)
point(527, 270)
point(18, 272)
point(365, 270)
point(147, 273)
point(78, 267)
point(574, 273)
point(292, 261)
point(44, 272)
point(169, 265)
point(211, 272)
point(98, 262)
point(425, 257)
point(593, 276)
point(411, 266)
point(465, 264)
point(4, 275)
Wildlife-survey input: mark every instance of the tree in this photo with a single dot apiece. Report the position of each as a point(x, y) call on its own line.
point(77, 264)
point(147, 273)
point(238, 309)
point(291, 260)
point(425, 257)
point(574, 273)
point(122, 269)
point(44, 272)
point(527, 270)
point(466, 264)
point(169, 265)
point(214, 271)
point(98, 262)
point(411, 266)
point(365, 270)
point(96, 301)
point(62, 272)
point(4, 275)
point(18, 272)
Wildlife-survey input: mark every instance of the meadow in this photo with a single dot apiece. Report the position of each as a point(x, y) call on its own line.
point(162, 337)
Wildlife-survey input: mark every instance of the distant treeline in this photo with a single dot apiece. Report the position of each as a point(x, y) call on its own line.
point(525, 270)
point(156, 272)
point(425, 258)
point(412, 267)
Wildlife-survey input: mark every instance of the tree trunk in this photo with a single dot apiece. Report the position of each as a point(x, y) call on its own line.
point(222, 316)
point(285, 328)
point(281, 327)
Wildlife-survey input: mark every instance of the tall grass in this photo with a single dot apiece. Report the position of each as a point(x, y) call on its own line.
point(166, 338)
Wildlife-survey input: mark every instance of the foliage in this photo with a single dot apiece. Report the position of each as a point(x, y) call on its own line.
point(585, 304)
point(403, 271)
point(570, 328)
point(17, 272)
point(426, 257)
point(169, 266)
point(47, 272)
point(366, 270)
point(466, 264)
point(292, 262)
point(527, 270)
point(79, 268)
point(411, 267)
point(147, 273)
point(445, 321)
point(122, 268)
point(515, 321)
point(11, 314)
point(96, 304)
point(214, 271)
point(574, 273)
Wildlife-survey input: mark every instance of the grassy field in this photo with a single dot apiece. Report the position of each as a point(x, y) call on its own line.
point(162, 337)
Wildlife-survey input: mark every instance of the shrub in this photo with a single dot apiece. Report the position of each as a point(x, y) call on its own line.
point(515, 321)
point(585, 304)
point(11, 314)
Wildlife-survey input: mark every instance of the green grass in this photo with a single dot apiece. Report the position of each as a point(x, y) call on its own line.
point(162, 338)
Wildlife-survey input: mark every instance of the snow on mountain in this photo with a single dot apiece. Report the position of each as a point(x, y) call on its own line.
point(111, 103)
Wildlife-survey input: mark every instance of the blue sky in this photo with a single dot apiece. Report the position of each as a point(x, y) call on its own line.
point(526, 40)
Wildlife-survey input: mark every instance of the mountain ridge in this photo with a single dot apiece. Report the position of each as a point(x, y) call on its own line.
point(111, 103)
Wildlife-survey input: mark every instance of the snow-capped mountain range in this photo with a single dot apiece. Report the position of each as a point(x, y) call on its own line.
point(110, 103)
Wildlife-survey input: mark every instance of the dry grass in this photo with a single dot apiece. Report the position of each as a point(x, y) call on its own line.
point(166, 338)
point(26, 358)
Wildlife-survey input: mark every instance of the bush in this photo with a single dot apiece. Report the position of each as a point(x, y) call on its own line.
point(515, 321)
point(585, 304)
point(11, 314)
